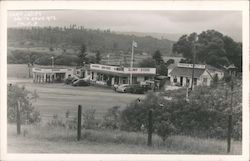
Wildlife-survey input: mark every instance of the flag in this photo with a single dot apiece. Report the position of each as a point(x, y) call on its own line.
point(134, 44)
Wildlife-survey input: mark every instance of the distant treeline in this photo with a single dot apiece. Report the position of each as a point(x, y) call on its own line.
point(95, 40)
point(44, 58)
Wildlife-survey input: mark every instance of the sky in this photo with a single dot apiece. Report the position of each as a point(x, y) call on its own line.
point(165, 22)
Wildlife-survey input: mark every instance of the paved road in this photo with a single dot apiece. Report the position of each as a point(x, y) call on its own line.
point(58, 98)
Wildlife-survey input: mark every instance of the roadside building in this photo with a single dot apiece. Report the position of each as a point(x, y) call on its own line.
point(232, 70)
point(110, 75)
point(171, 67)
point(216, 72)
point(181, 75)
point(47, 74)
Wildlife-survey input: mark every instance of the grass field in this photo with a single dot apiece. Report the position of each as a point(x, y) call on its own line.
point(17, 71)
point(61, 140)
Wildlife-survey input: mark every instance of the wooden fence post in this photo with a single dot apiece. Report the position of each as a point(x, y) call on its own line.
point(150, 127)
point(229, 133)
point(18, 120)
point(79, 122)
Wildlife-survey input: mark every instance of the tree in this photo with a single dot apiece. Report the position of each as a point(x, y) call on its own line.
point(82, 55)
point(28, 113)
point(164, 129)
point(212, 48)
point(91, 59)
point(147, 63)
point(162, 69)
point(112, 118)
point(98, 57)
point(170, 61)
point(157, 57)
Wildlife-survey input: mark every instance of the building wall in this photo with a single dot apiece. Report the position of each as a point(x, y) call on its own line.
point(50, 75)
point(206, 76)
point(140, 78)
point(200, 81)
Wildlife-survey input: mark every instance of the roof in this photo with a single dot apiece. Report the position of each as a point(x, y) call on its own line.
point(231, 66)
point(172, 66)
point(212, 68)
point(54, 67)
point(187, 72)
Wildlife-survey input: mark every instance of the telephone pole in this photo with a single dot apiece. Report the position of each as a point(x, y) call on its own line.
point(194, 55)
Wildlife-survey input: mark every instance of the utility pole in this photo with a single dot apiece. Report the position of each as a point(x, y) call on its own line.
point(131, 64)
point(18, 118)
point(194, 54)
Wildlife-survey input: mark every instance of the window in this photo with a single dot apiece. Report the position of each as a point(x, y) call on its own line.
point(204, 80)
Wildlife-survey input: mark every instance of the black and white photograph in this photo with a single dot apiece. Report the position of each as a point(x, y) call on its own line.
point(148, 82)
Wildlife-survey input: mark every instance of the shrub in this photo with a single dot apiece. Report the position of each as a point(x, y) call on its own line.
point(164, 129)
point(204, 115)
point(112, 118)
point(56, 122)
point(89, 121)
point(28, 113)
point(136, 113)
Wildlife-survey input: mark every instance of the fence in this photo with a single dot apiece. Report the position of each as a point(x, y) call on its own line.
point(78, 124)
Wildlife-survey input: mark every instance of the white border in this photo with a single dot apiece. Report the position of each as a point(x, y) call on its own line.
point(124, 5)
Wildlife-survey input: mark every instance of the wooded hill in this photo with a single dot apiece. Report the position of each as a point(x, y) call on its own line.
point(72, 37)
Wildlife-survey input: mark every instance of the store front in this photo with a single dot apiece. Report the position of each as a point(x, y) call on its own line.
point(110, 75)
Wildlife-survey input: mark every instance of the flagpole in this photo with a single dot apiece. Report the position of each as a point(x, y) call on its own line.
point(131, 63)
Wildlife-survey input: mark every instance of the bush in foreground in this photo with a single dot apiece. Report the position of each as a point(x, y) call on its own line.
point(28, 113)
point(204, 115)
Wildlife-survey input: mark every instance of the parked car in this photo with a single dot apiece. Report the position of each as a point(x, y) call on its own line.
point(133, 88)
point(137, 89)
point(122, 88)
point(115, 86)
point(70, 80)
point(80, 82)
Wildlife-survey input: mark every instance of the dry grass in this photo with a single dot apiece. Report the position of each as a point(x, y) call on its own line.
point(17, 71)
point(61, 140)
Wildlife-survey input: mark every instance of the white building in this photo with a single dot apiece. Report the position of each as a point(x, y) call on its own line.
point(110, 75)
point(51, 74)
point(181, 74)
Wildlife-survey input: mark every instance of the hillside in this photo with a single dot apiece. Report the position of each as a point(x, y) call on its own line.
point(105, 41)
